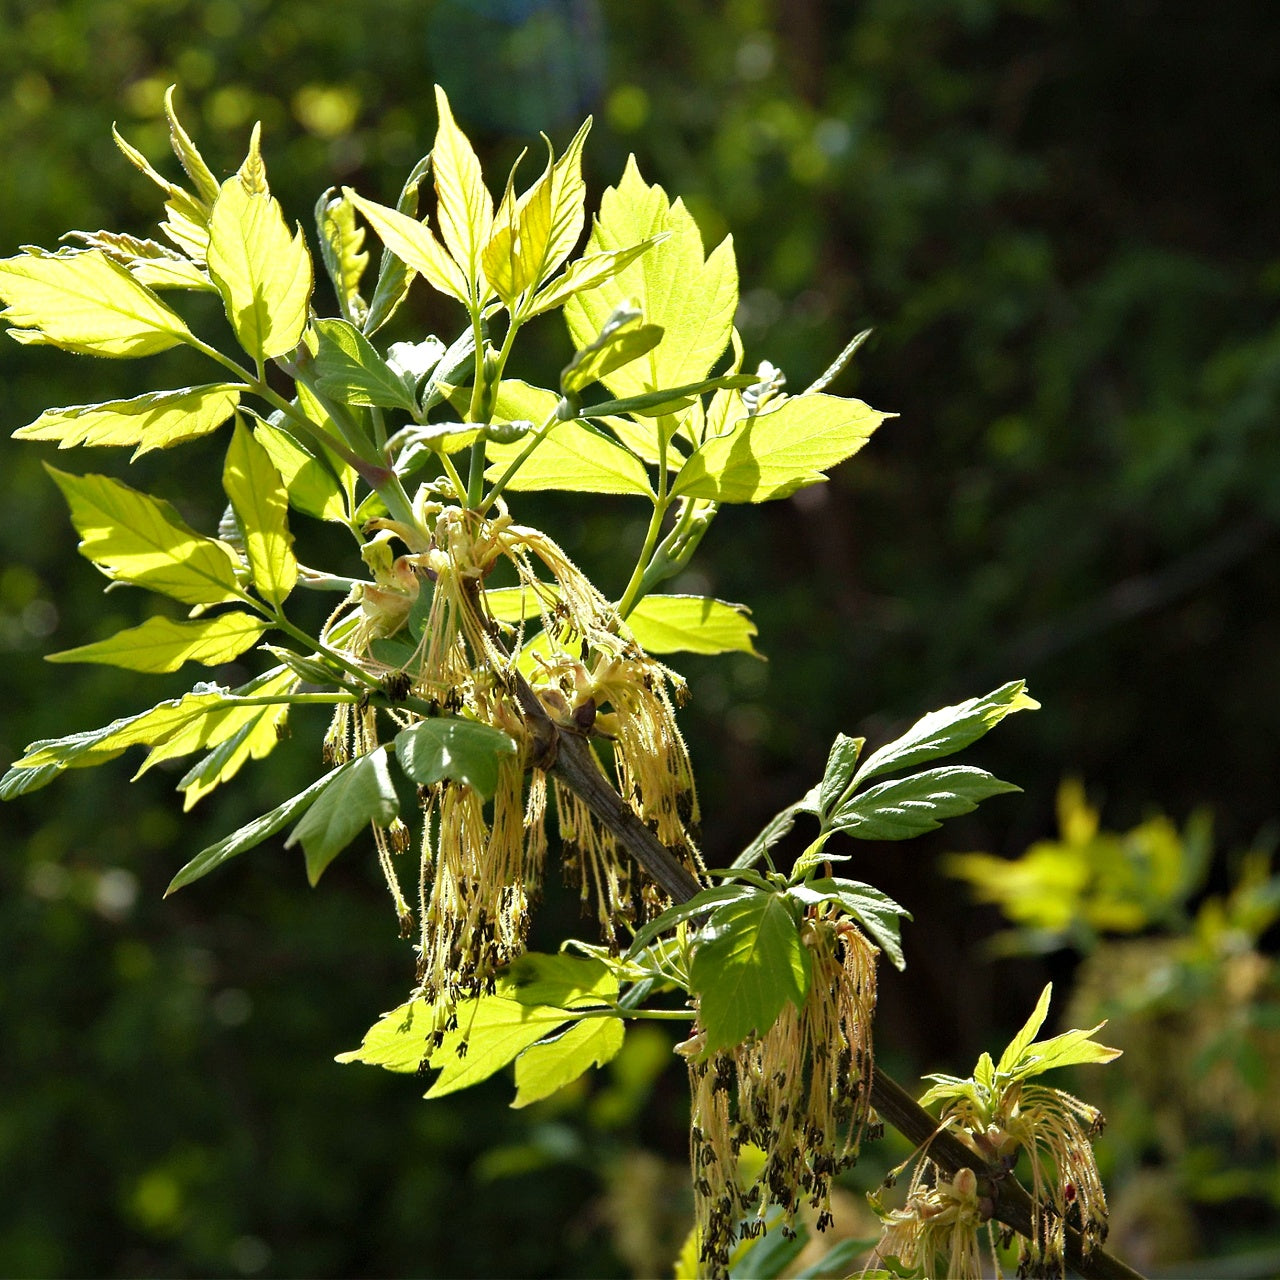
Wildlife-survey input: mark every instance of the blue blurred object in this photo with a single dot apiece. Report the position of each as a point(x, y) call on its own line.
point(519, 66)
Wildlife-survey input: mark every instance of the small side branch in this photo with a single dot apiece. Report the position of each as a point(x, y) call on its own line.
point(568, 757)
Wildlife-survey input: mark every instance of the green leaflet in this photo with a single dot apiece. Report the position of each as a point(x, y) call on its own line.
point(1024, 1059)
point(261, 504)
point(155, 420)
point(414, 244)
point(538, 994)
point(465, 207)
point(252, 833)
point(534, 235)
point(906, 807)
point(544, 1068)
point(876, 912)
point(358, 793)
point(135, 538)
point(161, 645)
point(239, 735)
point(691, 297)
point(624, 338)
point(778, 452)
point(96, 746)
point(692, 624)
point(461, 750)
point(85, 302)
point(350, 370)
point(943, 732)
point(587, 273)
point(312, 487)
point(842, 760)
point(572, 458)
point(262, 272)
point(189, 157)
point(342, 251)
point(748, 964)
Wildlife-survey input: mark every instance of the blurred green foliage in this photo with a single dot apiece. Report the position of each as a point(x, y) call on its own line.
point(1059, 216)
point(1191, 998)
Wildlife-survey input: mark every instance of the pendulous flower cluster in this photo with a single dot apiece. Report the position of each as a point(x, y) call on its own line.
point(801, 1093)
point(481, 865)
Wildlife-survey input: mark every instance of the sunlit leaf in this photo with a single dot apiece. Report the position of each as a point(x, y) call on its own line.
point(691, 297)
point(573, 458)
point(692, 624)
point(358, 793)
point(465, 208)
point(542, 1069)
point(154, 420)
point(189, 157)
point(905, 807)
point(135, 538)
point(262, 272)
point(160, 644)
point(415, 245)
point(87, 303)
point(312, 487)
point(1027, 1034)
point(342, 251)
point(586, 273)
point(943, 732)
point(261, 504)
point(779, 451)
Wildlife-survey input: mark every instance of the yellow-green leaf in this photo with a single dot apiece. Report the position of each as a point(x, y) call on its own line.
point(262, 272)
point(96, 746)
point(572, 458)
point(342, 247)
point(782, 450)
point(415, 244)
point(188, 156)
point(311, 485)
point(261, 504)
point(155, 420)
point(543, 1068)
point(161, 644)
point(587, 273)
point(465, 207)
point(135, 538)
point(222, 722)
point(692, 297)
point(84, 302)
point(186, 216)
point(692, 624)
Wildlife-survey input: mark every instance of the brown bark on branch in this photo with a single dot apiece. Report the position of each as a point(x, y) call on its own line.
point(568, 756)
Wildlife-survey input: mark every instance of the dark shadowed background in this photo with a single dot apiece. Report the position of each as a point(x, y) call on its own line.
point(1062, 220)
